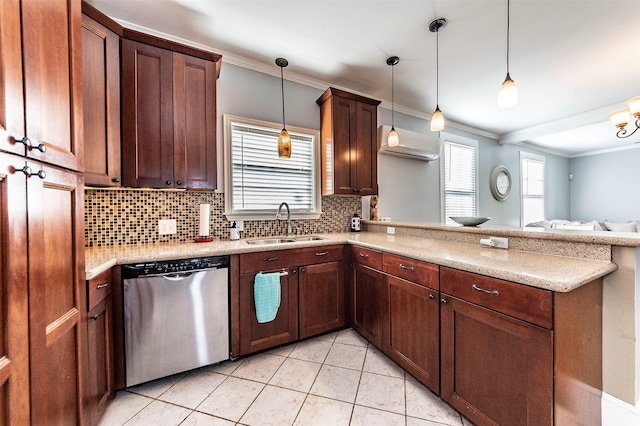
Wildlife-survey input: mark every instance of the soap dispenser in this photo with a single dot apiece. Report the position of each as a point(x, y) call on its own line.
point(234, 232)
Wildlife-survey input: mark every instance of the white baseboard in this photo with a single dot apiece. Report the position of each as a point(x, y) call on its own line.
point(616, 412)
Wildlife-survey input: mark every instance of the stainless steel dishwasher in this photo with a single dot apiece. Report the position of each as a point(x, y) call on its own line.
point(176, 316)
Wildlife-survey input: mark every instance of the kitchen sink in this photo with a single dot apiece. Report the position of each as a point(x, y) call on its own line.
point(268, 241)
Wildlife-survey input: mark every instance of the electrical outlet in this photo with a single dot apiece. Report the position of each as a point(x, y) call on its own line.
point(167, 226)
point(499, 242)
point(391, 230)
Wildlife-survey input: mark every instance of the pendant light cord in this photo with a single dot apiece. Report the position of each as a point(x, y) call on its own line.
point(437, 67)
point(508, 31)
point(392, 95)
point(282, 86)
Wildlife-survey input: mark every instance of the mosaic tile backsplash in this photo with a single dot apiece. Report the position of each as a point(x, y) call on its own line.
point(124, 217)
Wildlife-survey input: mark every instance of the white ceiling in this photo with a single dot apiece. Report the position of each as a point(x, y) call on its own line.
point(573, 61)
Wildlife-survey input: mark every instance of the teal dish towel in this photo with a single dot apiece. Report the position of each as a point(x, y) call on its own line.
point(266, 294)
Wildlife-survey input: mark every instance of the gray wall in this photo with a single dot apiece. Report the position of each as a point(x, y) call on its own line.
point(409, 190)
point(606, 186)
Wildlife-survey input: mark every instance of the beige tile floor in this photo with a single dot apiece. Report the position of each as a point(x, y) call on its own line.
point(335, 379)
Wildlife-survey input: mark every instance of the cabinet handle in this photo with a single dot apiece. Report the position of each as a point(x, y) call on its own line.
point(270, 259)
point(431, 296)
point(115, 180)
point(303, 270)
point(408, 268)
point(95, 317)
point(364, 255)
point(103, 285)
point(29, 145)
point(168, 182)
point(178, 182)
point(443, 300)
point(492, 292)
point(322, 253)
point(28, 172)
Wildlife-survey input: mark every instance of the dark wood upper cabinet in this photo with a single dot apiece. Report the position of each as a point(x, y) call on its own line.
point(349, 143)
point(168, 116)
point(101, 99)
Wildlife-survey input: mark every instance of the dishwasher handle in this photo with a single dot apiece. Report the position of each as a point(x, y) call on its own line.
point(178, 276)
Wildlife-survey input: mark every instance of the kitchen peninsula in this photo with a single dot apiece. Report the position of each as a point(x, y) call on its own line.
point(550, 305)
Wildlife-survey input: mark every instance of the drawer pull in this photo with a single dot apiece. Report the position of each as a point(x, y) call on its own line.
point(270, 259)
point(444, 301)
point(103, 285)
point(364, 255)
point(408, 268)
point(95, 317)
point(323, 253)
point(431, 296)
point(493, 292)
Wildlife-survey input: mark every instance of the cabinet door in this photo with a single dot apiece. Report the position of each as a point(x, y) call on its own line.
point(322, 298)
point(496, 370)
point(369, 304)
point(365, 145)
point(255, 336)
point(101, 100)
point(52, 46)
point(11, 95)
point(57, 295)
point(194, 128)
point(415, 348)
point(100, 356)
point(14, 307)
point(147, 116)
point(344, 133)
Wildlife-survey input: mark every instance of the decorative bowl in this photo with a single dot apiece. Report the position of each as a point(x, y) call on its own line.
point(469, 220)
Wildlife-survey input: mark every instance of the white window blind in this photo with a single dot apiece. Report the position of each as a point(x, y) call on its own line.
point(260, 180)
point(532, 171)
point(459, 180)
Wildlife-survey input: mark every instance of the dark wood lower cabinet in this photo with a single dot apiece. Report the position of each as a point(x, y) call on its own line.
point(255, 336)
point(496, 370)
point(412, 330)
point(322, 298)
point(368, 303)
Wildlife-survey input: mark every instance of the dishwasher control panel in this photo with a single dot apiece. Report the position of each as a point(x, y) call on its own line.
point(173, 266)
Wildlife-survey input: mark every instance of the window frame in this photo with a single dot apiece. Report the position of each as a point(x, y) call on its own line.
point(534, 157)
point(228, 171)
point(459, 140)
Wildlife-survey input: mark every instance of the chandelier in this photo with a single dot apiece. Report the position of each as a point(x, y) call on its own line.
point(620, 118)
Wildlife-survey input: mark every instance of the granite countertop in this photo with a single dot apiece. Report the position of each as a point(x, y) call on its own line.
point(556, 273)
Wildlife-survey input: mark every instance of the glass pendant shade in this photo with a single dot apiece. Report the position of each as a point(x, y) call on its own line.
point(393, 139)
point(634, 106)
point(437, 121)
point(508, 95)
point(620, 117)
point(284, 144)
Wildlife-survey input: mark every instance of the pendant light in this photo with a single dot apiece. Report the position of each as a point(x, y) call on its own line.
point(393, 139)
point(508, 94)
point(284, 141)
point(437, 119)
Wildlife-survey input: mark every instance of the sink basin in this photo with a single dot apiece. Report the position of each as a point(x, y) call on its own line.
point(309, 238)
point(267, 241)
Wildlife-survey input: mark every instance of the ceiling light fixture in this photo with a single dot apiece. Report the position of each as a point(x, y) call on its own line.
point(393, 139)
point(620, 118)
point(508, 94)
point(437, 119)
point(284, 141)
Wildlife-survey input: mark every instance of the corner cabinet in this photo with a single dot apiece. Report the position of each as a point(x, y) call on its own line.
point(348, 134)
point(168, 114)
point(101, 97)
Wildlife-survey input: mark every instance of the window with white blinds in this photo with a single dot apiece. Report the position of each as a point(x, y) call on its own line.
point(532, 172)
point(259, 180)
point(460, 189)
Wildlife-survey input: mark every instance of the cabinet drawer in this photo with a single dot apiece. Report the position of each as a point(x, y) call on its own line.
point(276, 259)
point(411, 270)
point(98, 288)
point(367, 257)
point(530, 304)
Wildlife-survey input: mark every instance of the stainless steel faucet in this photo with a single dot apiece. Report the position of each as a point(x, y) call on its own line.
point(288, 216)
